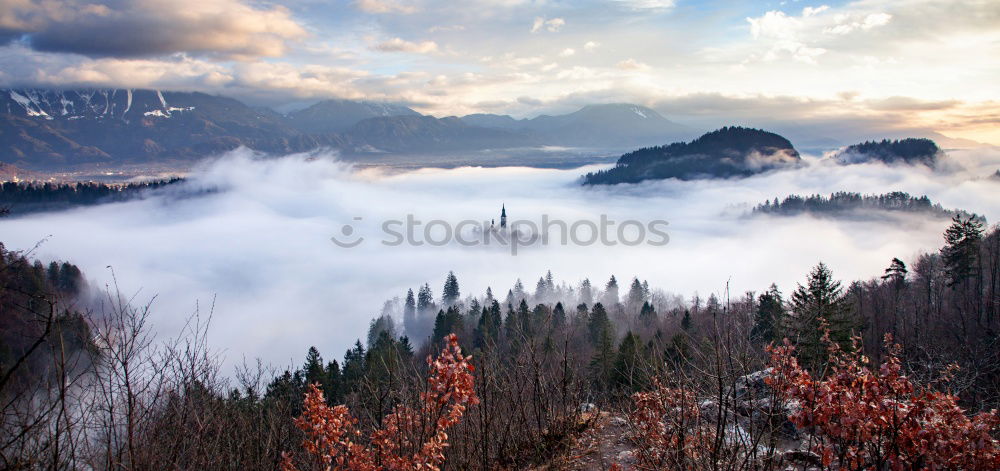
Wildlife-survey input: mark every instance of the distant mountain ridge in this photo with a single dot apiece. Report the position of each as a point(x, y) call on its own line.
point(604, 125)
point(47, 128)
point(724, 153)
point(329, 116)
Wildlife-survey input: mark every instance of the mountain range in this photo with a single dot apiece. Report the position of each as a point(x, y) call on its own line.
point(46, 129)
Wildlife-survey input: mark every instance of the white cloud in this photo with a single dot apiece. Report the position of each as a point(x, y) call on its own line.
point(552, 25)
point(567, 52)
point(591, 46)
point(401, 45)
point(847, 25)
point(440, 28)
point(384, 6)
point(632, 64)
point(647, 4)
point(801, 37)
point(811, 11)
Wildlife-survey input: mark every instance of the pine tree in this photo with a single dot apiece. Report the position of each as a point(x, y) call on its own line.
point(410, 313)
point(611, 297)
point(602, 363)
point(586, 292)
point(425, 299)
point(558, 316)
point(961, 250)
point(636, 295)
point(313, 368)
point(383, 373)
point(820, 301)
point(496, 317)
point(405, 348)
point(647, 315)
point(541, 290)
point(582, 314)
point(333, 389)
point(541, 318)
point(686, 320)
point(354, 368)
point(450, 294)
point(447, 322)
point(769, 317)
point(440, 327)
point(629, 371)
point(599, 323)
point(518, 292)
point(525, 322)
point(896, 273)
point(378, 326)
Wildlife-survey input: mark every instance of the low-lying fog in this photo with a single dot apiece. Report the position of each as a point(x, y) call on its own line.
point(261, 246)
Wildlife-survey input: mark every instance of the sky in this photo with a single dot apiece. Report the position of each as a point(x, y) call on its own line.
point(260, 247)
point(892, 65)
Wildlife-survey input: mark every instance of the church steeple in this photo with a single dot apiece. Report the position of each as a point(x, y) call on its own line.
point(503, 216)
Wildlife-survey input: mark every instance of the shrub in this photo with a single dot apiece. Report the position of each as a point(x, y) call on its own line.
point(410, 438)
point(860, 418)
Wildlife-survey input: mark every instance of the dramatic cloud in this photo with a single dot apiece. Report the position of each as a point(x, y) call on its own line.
point(939, 56)
point(261, 246)
point(131, 28)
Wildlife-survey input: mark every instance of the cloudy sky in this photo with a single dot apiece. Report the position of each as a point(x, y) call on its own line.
point(902, 64)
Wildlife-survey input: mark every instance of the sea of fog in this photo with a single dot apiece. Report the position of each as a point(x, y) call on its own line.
point(253, 236)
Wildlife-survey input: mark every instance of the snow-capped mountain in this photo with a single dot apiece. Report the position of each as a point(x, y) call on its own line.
point(47, 128)
point(50, 128)
point(122, 104)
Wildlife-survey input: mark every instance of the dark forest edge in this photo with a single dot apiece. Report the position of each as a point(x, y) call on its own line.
point(850, 204)
point(545, 361)
point(18, 198)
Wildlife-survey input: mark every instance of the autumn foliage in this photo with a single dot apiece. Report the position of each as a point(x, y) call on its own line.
point(668, 424)
point(410, 438)
point(861, 418)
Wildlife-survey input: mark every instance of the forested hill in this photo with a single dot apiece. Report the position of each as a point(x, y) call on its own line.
point(31, 197)
point(727, 152)
point(846, 203)
point(911, 151)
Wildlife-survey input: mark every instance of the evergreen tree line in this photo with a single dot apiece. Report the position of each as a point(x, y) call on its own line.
point(845, 202)
point(29, 197)
point(910, 150)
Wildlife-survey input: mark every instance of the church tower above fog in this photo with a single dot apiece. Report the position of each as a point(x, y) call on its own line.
point(503, 216)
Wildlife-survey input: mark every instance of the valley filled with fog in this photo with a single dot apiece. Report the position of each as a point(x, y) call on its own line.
point(252, 236)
